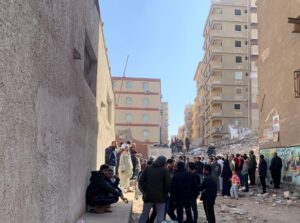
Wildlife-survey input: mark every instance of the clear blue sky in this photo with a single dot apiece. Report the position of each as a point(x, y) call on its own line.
point(163, 39)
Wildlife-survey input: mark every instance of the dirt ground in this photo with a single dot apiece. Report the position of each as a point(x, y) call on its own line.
point(251, 207)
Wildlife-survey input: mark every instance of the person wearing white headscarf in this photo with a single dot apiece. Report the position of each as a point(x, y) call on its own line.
point(125, 169)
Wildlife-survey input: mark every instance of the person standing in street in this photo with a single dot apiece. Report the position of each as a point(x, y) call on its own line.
point(134, 159)
point(209, 194)
point(275, 167)
point(262, 171)
point(235, 183)
point(221, 163)
point(252, 167)
point(245, 173)
point(155, 183)
point(197, 182)
point(111, 156)
point(125, 169)
point(226, 175)
point(182, 189)
point(216, 169)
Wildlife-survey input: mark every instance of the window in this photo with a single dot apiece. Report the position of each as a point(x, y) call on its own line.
point(238, 43)
point(238, 59)
point(237, 106)
point(146, 101)
point(238, 92)
point(114, 85)
point(129, 85)
point(246, 58)
point(238, 28)
point(238, 75)
point(246, 11)
point(146, 86)
point(128, 117)
point(246, 42)
point(146, 117)
point(246, 27)
point(109, 110)
point(237, 12)
point(90, 65)
point(128, 101)
point(146, 134)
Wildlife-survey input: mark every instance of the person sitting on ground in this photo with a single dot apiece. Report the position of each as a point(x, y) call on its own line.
point(113, 180)
point(100, 194)
point(235, 181)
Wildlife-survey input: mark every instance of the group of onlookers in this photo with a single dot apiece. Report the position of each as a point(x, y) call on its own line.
point(172, 186)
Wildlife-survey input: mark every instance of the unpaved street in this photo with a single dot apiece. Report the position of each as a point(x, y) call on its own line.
point(249, 208)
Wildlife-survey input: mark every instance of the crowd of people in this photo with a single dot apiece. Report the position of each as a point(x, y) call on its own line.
point(171, 187)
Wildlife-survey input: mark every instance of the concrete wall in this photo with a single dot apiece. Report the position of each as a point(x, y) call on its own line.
point(105, 101)
point(279, 56)
point(48, 113)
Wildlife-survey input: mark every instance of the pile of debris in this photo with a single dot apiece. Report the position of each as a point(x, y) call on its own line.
point(242, 145)
point(278, 198)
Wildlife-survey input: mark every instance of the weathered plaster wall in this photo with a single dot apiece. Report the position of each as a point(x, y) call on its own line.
point(48, 114)
point(278, 59)
point(105, 101)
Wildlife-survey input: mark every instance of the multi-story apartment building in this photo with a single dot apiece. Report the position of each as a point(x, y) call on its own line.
point(199, 116)
point(165, 123)
point(230, 54)
point(279, 83)
point(196, 122)
point(138, 110)
point(188, 119)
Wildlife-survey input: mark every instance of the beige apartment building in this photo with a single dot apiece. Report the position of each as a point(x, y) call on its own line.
point(199, 105)
point(229, 69)
point(165, 123)
point(279, 83)
point(138, 110)
point(188, 120)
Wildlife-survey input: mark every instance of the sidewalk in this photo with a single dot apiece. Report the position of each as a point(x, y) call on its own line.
point(121, 213)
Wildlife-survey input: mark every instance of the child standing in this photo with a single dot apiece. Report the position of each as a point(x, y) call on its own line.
point(235, 180)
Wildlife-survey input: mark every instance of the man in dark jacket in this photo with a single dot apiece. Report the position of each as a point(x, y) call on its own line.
point(275, 167)
point(134, 159)
point(100, 193)
point(182, 191)
point(252, 167)
point(262, 171)
point(197, 180)
point(155, 184)
point(199, 167)
point(209, 194)
point(111, 156)
point(216, 169)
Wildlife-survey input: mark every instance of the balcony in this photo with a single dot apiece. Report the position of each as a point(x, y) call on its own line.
point(254, 50)
point(216, 93)
point(217, 113)
point(216, 97)
point(253, 17)
point(253, 4)
point(254, 34)
point(238, 114)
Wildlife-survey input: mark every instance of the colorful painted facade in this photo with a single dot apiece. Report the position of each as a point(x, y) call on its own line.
point(291, 163)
